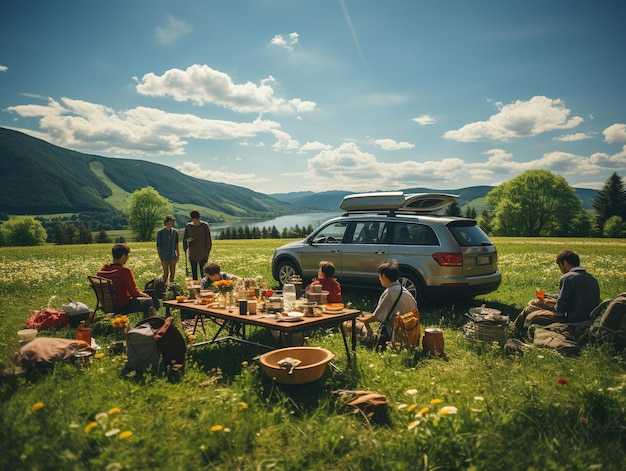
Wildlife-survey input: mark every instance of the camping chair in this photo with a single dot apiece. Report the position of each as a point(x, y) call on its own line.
point(103, 287)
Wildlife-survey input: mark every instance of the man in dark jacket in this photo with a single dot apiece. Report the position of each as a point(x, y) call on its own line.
point(579, 293)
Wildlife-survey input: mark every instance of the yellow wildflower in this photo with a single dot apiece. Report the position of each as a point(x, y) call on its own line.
point(99, 355)
point(447, 410)
point(37, 406)
point(244, 406)
point(413, 424)
point(114, 410)
point(411, 408)
point(244, 363)
point(434, 402)
point(90, 426)
point(422, 411)
point(126, 434)
point(217, 428)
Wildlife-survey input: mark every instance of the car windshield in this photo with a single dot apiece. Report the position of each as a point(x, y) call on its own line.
point(468, 235)
point(330, 234)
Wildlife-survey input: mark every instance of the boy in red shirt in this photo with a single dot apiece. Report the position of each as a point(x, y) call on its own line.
point(325, 278)
point(127, 297)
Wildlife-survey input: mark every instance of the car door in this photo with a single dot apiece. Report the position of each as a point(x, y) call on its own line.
point(364, 250)
point(325, 244)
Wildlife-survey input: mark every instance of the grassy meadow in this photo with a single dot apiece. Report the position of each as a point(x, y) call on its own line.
point(475, 408)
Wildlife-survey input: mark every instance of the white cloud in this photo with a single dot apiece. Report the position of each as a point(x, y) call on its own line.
point(286, 41)
point(80, 125)
point(348, 167)
point(314, 146)
point(390, 144)
point(172, 30)
point(579, 136)
point(3, 68)
point(424, 120)
point(201, 85)
point(520, 119)
point(615, 133)
point(284, 142)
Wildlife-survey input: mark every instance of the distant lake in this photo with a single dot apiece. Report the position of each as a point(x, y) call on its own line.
point(281, 222)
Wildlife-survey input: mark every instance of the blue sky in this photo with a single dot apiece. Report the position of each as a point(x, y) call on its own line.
point(293, 95)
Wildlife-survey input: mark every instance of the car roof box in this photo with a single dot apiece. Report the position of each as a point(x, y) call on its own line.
point(396, 201)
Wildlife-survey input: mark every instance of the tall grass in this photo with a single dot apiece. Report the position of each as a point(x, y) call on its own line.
point(539, 410)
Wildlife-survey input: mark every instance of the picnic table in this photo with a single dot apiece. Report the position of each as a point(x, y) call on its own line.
point(266, 320)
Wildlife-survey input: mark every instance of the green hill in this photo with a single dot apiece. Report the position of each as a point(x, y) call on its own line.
point(40, 178)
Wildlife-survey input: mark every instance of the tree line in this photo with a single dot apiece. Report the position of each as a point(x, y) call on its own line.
point(536, 203)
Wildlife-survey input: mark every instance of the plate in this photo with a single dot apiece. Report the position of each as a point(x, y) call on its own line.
point(289, 319)
point(333, 311)
point(295, 314)
point(333, 307)
point(187, 301)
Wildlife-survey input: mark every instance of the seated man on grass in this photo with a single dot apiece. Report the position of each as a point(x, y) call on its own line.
point(579, 293)
point(127, 297)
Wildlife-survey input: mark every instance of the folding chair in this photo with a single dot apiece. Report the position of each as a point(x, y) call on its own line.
point(103, 287)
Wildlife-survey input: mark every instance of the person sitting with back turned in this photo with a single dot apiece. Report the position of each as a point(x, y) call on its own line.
point(212, 272)
point(325, 278)
point(127, 297)
point(579, 294)
point(395, 299)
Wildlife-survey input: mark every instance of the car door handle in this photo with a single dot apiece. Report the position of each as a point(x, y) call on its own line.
point(378, 252)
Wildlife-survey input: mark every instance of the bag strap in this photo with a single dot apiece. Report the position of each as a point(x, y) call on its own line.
point(394, 305)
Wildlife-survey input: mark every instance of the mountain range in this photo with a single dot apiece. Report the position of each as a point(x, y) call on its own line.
point(40, 178)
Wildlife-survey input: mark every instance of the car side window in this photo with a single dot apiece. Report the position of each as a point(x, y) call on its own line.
point(331, 234)
point(367, 233)
point(414, 234)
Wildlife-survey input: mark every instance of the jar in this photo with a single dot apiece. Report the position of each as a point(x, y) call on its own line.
point(433, 342)
point(84, 333)
point(289, 297)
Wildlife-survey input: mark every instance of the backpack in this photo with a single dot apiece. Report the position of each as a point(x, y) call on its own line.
point(156, 288)
point(145, 350)
point(406, 330)
point(142, 351)
point(47, 319)
point(608, 322)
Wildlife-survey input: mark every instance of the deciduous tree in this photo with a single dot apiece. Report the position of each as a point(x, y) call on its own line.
point(535, 203)
point(23, 231)
point(146, 210)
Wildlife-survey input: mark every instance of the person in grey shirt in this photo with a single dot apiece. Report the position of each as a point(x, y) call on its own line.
point(394, 300)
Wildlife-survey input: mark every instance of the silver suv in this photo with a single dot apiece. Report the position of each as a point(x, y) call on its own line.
point(439, 257)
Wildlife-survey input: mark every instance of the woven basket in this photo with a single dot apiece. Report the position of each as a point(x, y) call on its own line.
point(485, 332)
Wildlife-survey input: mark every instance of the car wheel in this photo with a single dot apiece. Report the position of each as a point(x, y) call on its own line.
point(413, 285)
point(286, 270)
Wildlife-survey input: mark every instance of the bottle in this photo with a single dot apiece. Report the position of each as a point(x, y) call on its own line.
point(83, 333)
point(289, 296)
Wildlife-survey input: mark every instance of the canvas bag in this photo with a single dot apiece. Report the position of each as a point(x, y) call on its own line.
point(142, 350)
point(609, 322)
point(406, 330)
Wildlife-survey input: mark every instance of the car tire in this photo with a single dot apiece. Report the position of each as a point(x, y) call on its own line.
point(414, 285)
point(285, 271)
